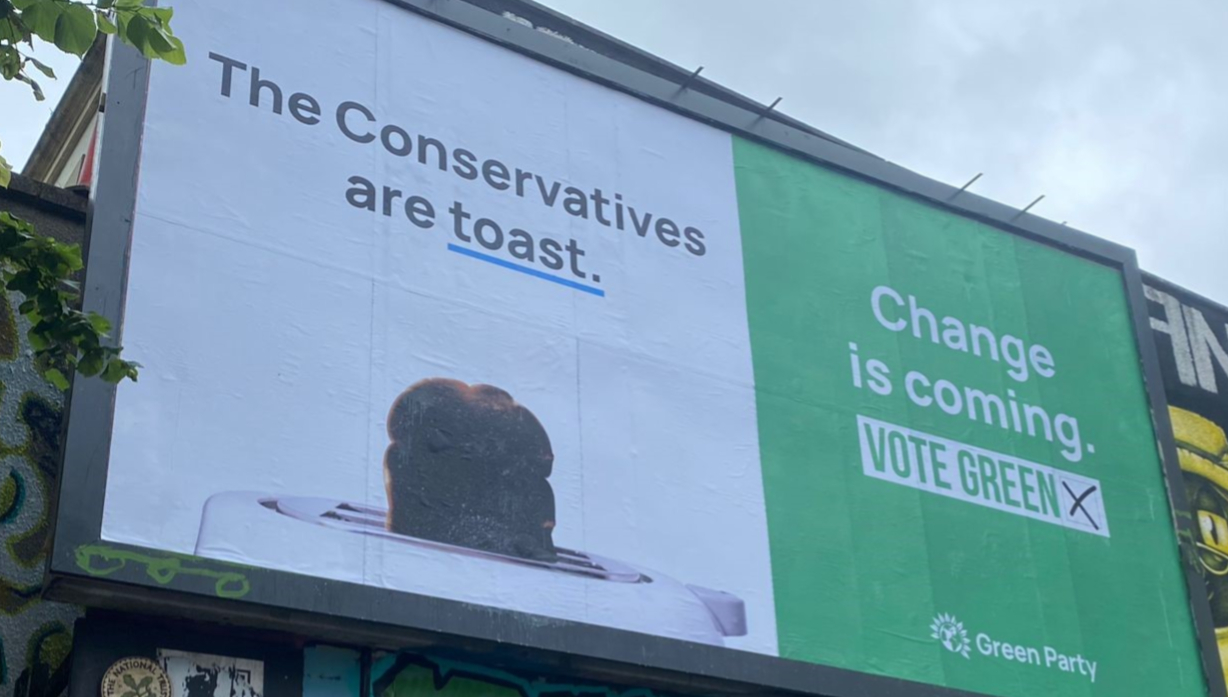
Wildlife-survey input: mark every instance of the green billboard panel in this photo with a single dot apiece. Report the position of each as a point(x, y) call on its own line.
point(960, 471)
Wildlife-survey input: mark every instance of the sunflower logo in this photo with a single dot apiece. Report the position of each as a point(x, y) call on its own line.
point(952, 634)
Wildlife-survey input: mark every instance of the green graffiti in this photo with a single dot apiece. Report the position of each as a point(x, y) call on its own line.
point(37, 636)
point(530, 688)
point(101, 560)
point(406, 675)
point(12, 497)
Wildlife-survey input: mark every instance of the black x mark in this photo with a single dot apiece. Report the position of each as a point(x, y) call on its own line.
point(1078, 503)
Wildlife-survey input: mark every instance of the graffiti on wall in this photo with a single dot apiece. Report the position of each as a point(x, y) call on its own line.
point(337, 672)
point(35, 636)
point(418, 675)
point(164, 568)
point(1191, 336)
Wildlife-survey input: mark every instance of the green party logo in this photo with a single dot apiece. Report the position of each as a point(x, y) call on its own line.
point(954, 638)
point(952, 634)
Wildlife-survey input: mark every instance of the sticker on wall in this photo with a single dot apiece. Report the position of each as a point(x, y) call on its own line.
point(207, 675)
point(135, 677)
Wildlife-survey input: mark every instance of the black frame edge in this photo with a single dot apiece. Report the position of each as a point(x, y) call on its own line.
point(89, 407)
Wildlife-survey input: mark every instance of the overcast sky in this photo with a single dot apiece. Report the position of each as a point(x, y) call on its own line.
point(21, 117)
point(1116, 110)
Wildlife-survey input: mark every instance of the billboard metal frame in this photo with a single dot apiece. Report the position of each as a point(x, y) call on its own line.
point(84, 568)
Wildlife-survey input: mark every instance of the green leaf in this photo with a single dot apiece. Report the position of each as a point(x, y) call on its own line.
point(70, 254)
point(176, 55)
point(148, 30)
point(76, 30)
point(114, 371)
point(155, 40)
point(118, 369)
point(10, 62)
point(38, 91)
point(42, 67)
point(145, 681)
point(64, 338)
point(160, 15)
point(129, 681)
point(105, 25)
point(133, 30)
point(11, 221)
point(5, 177)
point(12, 30)
point(56, 378)
point(41, 17)
point(100, 323)
point(90, 365)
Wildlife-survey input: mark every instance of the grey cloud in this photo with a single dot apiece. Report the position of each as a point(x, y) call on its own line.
point(1118, 111)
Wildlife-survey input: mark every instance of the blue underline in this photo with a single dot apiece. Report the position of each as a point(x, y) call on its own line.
point(525, 269)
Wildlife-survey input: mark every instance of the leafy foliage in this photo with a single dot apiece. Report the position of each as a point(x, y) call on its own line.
point(6, 172)
point(40, 268)
point(64, 338)
point(72, 26)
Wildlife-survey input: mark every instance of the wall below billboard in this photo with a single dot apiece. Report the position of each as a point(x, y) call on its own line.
point(487, 332)
point(35, 634)
point(198, 660)
point(330, 671)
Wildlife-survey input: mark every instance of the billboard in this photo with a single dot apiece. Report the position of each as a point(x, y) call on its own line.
point(1191, 336)
point(440, 335)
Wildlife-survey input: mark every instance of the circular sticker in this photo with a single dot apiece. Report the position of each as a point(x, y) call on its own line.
point(135, 677)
